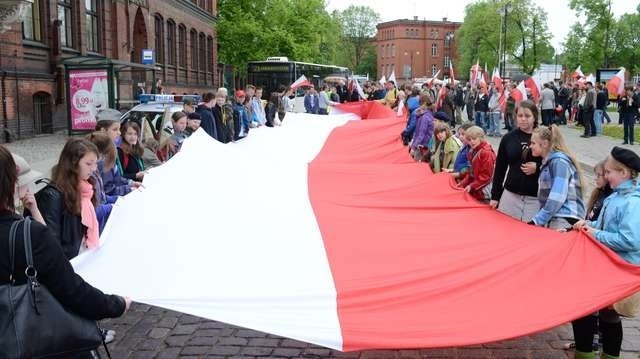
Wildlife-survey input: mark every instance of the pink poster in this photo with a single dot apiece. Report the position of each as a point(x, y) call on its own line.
point(88, 92)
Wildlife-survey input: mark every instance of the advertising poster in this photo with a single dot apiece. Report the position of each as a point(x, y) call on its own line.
point(88, 93)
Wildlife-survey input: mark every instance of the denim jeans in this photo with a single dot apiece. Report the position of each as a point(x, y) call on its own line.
point(481, 120)
point(598, 119)
point(494, 123)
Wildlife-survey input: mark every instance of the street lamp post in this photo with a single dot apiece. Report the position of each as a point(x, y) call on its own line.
point(503, 62)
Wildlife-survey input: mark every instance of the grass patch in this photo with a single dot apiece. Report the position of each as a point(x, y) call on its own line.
point(616, 131)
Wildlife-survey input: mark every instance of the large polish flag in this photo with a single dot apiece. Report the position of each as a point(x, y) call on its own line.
point(616, 83)
point(325, 231)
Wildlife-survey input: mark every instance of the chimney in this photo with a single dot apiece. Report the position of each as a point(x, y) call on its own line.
point(444, 19)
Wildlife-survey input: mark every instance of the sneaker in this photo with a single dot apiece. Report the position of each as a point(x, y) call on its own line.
point(108, 335)
point(625, 143)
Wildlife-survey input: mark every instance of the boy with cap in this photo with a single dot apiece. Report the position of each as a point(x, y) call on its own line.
point(617, 227)
point(241, 116)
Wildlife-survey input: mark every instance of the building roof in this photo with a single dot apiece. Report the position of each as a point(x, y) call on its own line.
point(418, 23)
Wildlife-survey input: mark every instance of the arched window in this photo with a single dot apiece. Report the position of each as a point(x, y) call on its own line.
point(159, 38)
point(434, 50)
point(193, 48)
point(171, 42)
point(182, 45)
point(209, 54)
point(202, 47)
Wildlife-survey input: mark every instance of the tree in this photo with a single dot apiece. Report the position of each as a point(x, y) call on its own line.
point(625, 42)
point(597, 29)
point(527, 40)
point(254, 30)
point(358, 28)
point(574, 45)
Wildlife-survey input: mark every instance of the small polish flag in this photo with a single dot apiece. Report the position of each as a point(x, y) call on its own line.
point(519, 93)
point(578, 73)
point(533, 84)
point(301, 81)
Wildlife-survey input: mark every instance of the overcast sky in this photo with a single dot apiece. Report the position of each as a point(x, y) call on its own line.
point(560, 17)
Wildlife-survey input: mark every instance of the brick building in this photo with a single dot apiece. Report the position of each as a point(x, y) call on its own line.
point(416, 48)
point(58, 35)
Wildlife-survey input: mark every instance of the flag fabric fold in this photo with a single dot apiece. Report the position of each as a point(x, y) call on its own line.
point(616, 83)
point(324, 230)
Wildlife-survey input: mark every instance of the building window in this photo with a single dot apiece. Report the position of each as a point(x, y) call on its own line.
point(434, 69)
point(447, 40)
point(434, 50)
point(407, 33)
point(91, 15)
point(159, 39)
point(193, 49)
point(31, 22)
point(203, 53)
point(66, 22)
point(393, 50)
point(447, 61)
point(209, 6)
point(182, 46)
point(209, 54)
point(171, 42)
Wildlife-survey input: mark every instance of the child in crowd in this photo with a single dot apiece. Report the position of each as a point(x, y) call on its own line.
point(114, 183)
point(602, 191)
point(150, 157)
point(446, 148)
point(107, 158)
point(193, 123)
point(130, 152)
point(241, 117)
point(560, 181)
point(483, 162)
point(179, 120)
point(272, 109)
point(617, 227)
point(68, 203)
point(424, 130)
point(461, 165)
point(224, 111)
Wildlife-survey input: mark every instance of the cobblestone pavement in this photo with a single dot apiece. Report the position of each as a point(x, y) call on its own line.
point(152, 332)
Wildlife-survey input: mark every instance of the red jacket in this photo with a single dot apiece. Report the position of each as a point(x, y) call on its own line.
point(483, 162)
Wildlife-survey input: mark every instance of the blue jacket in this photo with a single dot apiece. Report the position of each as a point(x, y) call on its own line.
point(105, 202)
point(113, 183)
point(241, 121)
point(411, 124)
point(559, 190)
point(462, 164)
point(424, 130)
point(618, 226)
point(309, 107)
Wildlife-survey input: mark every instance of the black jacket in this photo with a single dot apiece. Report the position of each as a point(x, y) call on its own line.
point(482, 103)
point(601, 100)
point(513, 152)
point(207, 121)
point(271, 111)
point(54, 272)
point(65, 228)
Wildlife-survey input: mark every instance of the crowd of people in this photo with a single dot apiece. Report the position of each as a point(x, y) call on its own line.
point(533, 176)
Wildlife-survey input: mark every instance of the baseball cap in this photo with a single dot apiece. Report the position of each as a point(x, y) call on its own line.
point(26, 175)
point(188, 101)
point(240, 93)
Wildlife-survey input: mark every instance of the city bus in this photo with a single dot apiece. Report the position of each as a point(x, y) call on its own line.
point(276, 71)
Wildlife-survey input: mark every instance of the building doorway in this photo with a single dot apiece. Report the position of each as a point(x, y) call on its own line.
point(140, 42)
point(42, 119)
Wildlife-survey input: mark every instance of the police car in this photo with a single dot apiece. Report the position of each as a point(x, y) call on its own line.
point(150, 113)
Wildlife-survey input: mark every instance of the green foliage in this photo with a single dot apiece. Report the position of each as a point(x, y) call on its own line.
point(254, 30)
point(625, 42)
point(528, 37)
point(358, 27)
point(588, 44)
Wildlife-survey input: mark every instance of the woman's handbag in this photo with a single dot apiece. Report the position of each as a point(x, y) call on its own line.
point(33, 324)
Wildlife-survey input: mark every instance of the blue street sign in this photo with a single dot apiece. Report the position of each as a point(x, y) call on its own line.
point(147, 57)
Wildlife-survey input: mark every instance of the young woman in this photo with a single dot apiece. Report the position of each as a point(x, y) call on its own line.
point(68, 203)
point(114, 183)
point(483, 161)
point(424, 129)
point(179, 120)
point(106, 160)
point(446, 148)
point(53, 268)
point(272, 109)
point(560, 181)
point(617, 227)
point(130, 152)
point(516, 194)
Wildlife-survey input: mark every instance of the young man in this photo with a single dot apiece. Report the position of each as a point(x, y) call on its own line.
point(311, 101)
point(207, 120)
point(193, 123)
point(241, 119)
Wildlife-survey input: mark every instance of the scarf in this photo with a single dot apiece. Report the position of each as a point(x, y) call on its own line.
point(88, 215)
